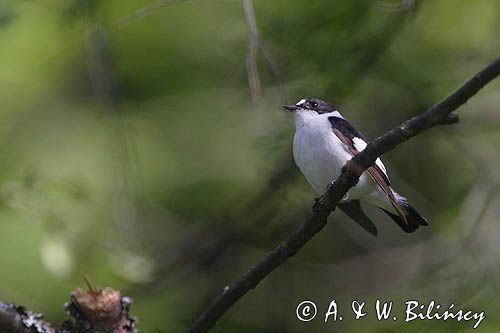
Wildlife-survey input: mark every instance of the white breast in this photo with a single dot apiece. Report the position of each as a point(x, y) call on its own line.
point(318, 153)
point(320, 156)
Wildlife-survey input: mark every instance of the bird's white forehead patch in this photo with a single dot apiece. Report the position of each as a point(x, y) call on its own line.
point(301, 102)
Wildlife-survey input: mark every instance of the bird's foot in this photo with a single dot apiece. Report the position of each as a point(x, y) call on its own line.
point(317, 202)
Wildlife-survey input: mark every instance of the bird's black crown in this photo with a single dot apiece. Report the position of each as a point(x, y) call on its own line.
point(313, 104)
point(317, 105)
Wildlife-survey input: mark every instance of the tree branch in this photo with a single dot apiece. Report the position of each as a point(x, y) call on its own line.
point(93, 311)
point(336, 191)
point(15, 319)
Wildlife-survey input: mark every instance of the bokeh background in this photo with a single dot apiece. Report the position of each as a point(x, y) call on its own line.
point(132, 150)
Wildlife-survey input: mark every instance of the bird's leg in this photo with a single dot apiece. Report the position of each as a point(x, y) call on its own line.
point(316, 204)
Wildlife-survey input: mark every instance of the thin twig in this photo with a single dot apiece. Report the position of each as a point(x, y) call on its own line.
point(253, 47)
point(402, 6)
point(336, 191)
point(285, 98)
point(127, 197)
point(149, 9)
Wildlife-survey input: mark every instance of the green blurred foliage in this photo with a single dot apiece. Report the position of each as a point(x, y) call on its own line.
point(133, 153)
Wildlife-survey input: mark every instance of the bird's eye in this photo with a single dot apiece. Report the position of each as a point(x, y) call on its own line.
point(313, 104)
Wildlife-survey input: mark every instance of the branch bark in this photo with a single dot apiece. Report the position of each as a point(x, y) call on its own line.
point(15, 319)
point(93, 311)
point(336, 191)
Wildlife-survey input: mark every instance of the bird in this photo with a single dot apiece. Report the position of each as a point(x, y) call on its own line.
point(323, 143)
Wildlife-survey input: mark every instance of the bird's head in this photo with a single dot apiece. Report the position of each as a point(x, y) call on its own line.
point(310, 106)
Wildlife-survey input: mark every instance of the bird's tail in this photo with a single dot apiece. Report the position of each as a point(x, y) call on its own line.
point(412, 216)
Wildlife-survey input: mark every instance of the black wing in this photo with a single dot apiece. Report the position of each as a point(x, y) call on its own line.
point(350, 132)
point(346, 133)
point(345, 128)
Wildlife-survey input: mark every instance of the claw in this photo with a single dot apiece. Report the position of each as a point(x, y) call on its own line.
point(316, 204)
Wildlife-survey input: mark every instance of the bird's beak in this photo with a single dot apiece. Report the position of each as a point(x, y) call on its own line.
point(290, 107)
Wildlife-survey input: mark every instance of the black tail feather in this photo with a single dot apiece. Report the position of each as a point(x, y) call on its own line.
point(354, 211)
point(412, 216)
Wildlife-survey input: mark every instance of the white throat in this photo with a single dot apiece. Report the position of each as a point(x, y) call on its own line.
point(303, 116)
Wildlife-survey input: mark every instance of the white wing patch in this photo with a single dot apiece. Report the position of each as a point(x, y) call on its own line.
point(336, 114)
point(360, 145)
point(381, 165)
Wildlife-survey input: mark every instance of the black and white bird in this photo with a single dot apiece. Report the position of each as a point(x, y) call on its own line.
point(324, 141)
